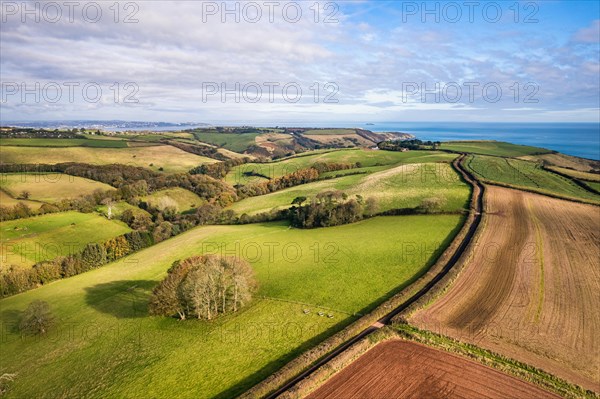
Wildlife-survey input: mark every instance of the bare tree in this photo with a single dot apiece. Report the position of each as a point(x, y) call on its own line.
point(204, 287)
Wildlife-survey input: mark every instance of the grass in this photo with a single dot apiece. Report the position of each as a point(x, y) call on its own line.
point(528, 175)
point(171, 159)
point(404, 186)
point(593, 184)
point(34, 239)
point(46, 142)
point(182, 199)
point(594, 177)
point(237, 142)
point(9, 201)
point(367, 158)
point(497, 148)
point(49, 187)
point(118, 208)
point(105, 344)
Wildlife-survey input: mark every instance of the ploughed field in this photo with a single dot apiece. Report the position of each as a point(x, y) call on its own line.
point(531, 286)
point(408, 370)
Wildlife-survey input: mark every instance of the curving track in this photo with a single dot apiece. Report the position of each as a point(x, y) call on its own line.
point(476, 211)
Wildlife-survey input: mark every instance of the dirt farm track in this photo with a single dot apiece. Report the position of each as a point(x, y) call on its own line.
point(403, 369)
point(530, 289)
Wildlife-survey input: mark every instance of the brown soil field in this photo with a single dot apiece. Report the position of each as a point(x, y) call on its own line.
point(530, 287)
point(404, 369)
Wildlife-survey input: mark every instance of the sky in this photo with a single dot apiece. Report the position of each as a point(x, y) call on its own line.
point(273, 61)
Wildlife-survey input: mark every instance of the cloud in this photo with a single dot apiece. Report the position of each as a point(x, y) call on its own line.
point(591, 34)
point(175, 48)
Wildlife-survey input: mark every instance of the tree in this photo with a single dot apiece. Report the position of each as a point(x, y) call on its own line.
point(431, 205)
point(204, 287)
point(25, 194)
point(37, 319)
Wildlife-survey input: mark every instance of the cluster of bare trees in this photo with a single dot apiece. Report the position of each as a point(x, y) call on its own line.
point(204, 287)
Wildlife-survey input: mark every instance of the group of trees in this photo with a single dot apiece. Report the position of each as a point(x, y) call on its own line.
point(204, 287)
point(296, 178)
point(132, 181)
point(218, 170)
point(330, 208)
point(413, 144)
point(93, 255)
point(202, 150)
point(301, 176)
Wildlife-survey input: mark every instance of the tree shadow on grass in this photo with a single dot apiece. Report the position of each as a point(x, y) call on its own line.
point(125, 299)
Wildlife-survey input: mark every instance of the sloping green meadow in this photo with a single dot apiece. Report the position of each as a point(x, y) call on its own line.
point(35, 239)
point(403, 186)
point(106, 345)
point(367, 158)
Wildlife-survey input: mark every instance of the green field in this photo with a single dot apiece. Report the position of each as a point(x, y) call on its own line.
point(403, 186)
point(118, 208)
point(9, 201)
point(367, 158)
point(497, 148)
point(593, 184)
point(171, 159)
point(45, 142)
point(49, 187)
point(528, 175)
point(105, 345)
point(593, 177)
point(34, 239)
point(182, 200)
point(231, 141)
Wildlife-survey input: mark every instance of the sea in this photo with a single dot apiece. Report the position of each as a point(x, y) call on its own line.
point(579, 139)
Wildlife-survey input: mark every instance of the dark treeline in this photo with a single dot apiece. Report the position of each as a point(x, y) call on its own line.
point(93, 255)
point(220, 169)
point(414, 144)
point(296, 178)
point(134, 181)
point(330, 208)
point(202, 150)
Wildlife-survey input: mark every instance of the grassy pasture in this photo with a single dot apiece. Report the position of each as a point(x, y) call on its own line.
point(118, 208)
point(177, 197)
point(525, 174)
point(231, 141)
point(497, 148)
point(566, 161)
point(171, 159)
point(49, 187)
point(116, 350)
point(594, 177)
point(8, 200)
point(46, 142)
point(593, 184)
point(367, 158)
point(31, 240)
point(403, 186)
